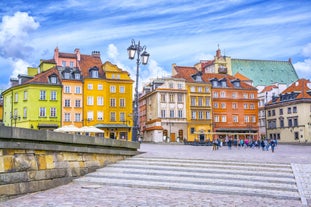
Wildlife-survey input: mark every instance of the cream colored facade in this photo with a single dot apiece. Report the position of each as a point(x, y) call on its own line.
point(163, 110)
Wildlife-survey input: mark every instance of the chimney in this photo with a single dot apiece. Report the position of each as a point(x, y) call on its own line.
point(218, 53)
point(56, 54)
point(290, 60)
point(14, 82)
point(77, 52)
point(95, 53)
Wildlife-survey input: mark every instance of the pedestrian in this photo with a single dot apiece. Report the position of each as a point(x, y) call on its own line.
point(262, 144)
point(266, 145)
point(229, 143)
point(272, 144)
point(215, 143)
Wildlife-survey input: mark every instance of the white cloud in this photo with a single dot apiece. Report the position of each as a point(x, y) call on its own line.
point(14, 35)
point(306, 51)
point(303, 68)
point(19, 67)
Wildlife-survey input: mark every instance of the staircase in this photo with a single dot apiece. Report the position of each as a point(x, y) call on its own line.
point(221, 177)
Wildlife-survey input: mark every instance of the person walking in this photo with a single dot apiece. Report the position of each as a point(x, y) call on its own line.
point(272, 144)
point(229, 143)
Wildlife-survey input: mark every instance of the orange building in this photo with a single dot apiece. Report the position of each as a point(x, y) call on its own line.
point(234, 103)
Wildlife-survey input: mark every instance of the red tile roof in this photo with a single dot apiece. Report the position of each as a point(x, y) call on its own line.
point(268, 88)
point(44, 76)
point(187, 72)
point(301, 86)
point(89, 61)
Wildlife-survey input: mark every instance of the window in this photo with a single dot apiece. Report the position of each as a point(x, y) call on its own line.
point(122, 116)
point(25, 95)
point(269, 113)
point(71, 64)
point(67, 75)
point(67, 116)
point(67, 89)
point(215, 105)
point(53, 95)
point(77, 117)
point(53, 79)
point(234, 95)
point(122, 89)
point(193, 115)
point(179, 85)
point(251, 96)
point(191, 130)
point(200, 101)
point(162, 113)
point(245, 106)
point(216, 118)
point(208, 115)
point(253, 119)
point(172, 97)
point(77, 76)
point(200, 89)
point(200, 114)
point(90, 100)
point(100, 101)
point(42, 95)
point(289, 110)
point(90, 115)
point(99, 87)
point(207, 101)
point(246, 119)
point(223, 105)
point(296, 135)
point(180, 98)
point(94, 73)
point(112, 89)
point(112, 116)
point(273, 112)
point(192, 89)
point(222, 94)
point(25, 112)
point(112, 102)
point(78, 103)
point(90, 86)
point(171, 85)
point(42, 112)
point(295, 122)
point(193, 101)
point(235, 118)
point(67, 103)
point(180, 113)
point(172, 113)
point(100, 115)
point(281, 123)
point(290, 122)
point(295, 109)
point(122, 102)
point(245, 95)
point(206, 90)
point(223, 118)
point(78, 90)
point(53, 112)
point(215, 94)
point(16, 97)
point(281, 111)
point(64, 63)
point(162, 97)
point(234, 105)
point(252, 106)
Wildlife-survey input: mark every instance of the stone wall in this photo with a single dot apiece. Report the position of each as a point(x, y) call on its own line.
point(32, 160)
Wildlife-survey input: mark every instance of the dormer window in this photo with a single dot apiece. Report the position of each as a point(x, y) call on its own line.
point(77, 76)
point(53, 79)
point(236, 83)
point(214, 82)
point(223, 83)
point(67, 75)
point(94, 72)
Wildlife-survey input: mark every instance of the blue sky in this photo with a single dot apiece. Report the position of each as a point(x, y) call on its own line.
point(180, 31)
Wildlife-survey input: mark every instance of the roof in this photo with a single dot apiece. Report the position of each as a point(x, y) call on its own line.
point(89, 61)
point(241, 77)
point(268, 88)
point(44, 76)
point(301, 89)
point(265, 72)
point(187, 72)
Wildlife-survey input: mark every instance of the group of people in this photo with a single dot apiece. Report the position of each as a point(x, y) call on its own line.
point(265, 144)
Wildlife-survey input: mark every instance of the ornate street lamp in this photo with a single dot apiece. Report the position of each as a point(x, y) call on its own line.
point(144, 60)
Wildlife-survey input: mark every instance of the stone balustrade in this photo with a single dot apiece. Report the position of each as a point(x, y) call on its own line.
point(32, 160)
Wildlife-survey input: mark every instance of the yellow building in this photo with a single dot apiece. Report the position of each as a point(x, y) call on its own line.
point(112, 96)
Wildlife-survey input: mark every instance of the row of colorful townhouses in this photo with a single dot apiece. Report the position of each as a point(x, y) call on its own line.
point(220, 98)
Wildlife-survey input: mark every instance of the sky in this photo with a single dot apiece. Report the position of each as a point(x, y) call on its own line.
point(180, 31)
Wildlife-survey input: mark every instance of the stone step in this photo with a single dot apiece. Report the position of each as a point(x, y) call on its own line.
point(255, 179)
point(209, 188)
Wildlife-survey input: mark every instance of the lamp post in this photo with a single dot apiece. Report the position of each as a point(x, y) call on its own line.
point(15, 117)
point(144, 60)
